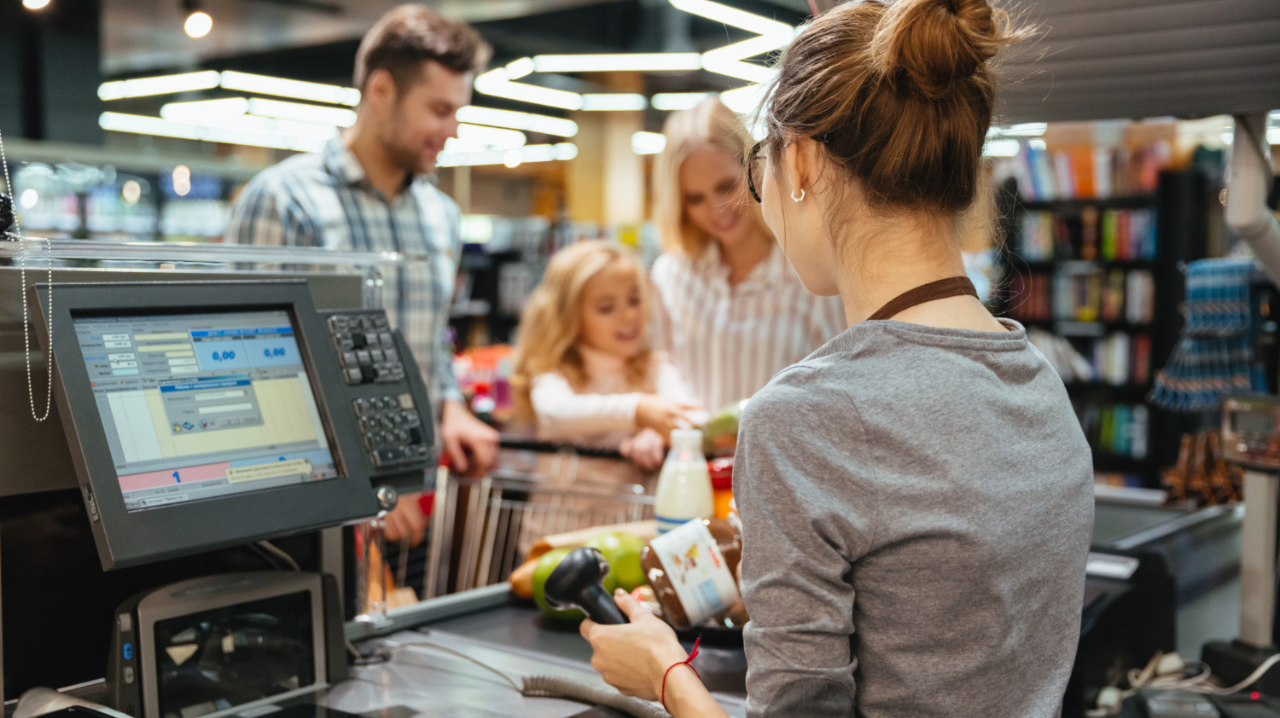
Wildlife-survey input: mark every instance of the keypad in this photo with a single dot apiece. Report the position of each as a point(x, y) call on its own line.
point(391, 428)
point(366, 348)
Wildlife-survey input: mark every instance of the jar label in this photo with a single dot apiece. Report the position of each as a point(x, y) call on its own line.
point(698, 572)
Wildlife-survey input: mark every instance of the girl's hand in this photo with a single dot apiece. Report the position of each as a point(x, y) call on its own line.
point(662, 414)
point(632, 657)
point(646, 449)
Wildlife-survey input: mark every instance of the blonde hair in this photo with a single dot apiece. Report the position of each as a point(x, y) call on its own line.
point(708, 125)
point(552, 321)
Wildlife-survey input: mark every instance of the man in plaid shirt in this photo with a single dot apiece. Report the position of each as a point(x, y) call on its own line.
point(371, 189)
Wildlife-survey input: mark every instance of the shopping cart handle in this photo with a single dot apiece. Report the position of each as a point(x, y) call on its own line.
point(549, 447)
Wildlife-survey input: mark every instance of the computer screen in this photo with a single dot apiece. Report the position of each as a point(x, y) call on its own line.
point(202, 406)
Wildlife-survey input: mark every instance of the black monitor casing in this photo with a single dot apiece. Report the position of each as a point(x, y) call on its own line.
point(129, 539)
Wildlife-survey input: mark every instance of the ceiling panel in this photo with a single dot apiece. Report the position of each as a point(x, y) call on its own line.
point(1102, 59)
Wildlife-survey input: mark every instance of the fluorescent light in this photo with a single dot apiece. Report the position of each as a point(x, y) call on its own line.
point(491, 136)
point(518, 120)
point(497, 83)
point(743, 99)
point(1027, 129)
point(29, 198)
point(677, 100)
point(614, 102)
point(517, 69)
point(298, 111)
point(198, 24)
point(648, 143)
point(314, 91)
point(528, 153)
point(35, 4)
point(203, 109)
point(270, 125)
point(732, 16)
point(1001, 148)
point(1273, 136)
point(636, 62)
point(728, 60)
point(1037, 145)
point(162, 85)
point(139, 124)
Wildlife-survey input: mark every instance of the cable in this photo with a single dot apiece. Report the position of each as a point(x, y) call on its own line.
point(16, 235)
point(424, 644)
point(550, 686)
point(278, 553)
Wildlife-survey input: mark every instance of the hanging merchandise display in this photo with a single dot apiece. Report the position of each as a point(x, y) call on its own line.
point(1214, 358)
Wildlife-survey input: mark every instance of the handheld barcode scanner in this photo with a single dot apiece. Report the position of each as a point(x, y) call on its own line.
point(576, 583)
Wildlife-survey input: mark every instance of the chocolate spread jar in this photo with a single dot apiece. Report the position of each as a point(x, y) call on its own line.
point(693, 570)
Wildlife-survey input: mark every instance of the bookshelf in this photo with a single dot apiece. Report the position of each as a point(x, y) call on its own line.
point(1100, 280)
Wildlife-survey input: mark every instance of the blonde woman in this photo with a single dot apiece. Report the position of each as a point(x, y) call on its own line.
point(584, 368)
point(729, 308)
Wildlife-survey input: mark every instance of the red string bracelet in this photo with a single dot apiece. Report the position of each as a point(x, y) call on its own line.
point(686, 662)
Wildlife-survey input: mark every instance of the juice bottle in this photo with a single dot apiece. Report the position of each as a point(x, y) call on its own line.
point(684, 486)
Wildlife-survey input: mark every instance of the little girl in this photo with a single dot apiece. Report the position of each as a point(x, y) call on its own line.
point(584, 369)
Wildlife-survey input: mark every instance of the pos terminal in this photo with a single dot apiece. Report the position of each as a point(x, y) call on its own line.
point(210, 414)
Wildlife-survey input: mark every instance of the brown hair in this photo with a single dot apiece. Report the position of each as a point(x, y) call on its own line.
point(709, 124)
point(408, 36)
point(550, 325)
point(900, 94)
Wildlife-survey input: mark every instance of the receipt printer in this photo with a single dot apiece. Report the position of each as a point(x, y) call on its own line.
point(222, 644)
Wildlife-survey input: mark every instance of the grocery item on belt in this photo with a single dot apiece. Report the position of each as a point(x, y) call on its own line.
point(684, 486)
point(693, 570)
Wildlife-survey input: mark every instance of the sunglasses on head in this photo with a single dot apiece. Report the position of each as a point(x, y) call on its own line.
point(753, 159)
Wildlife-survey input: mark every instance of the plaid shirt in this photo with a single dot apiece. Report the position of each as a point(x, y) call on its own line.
point(323, 199)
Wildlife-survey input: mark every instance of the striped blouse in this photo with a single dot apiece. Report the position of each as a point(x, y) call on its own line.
point(728, 342)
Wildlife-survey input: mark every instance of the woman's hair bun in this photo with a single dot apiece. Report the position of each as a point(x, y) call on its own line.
point(935, 44)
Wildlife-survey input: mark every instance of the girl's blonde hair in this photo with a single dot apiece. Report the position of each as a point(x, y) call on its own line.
point(552, 320)
point(708, 125)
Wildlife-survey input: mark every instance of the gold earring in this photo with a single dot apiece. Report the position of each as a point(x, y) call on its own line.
point(794, 198)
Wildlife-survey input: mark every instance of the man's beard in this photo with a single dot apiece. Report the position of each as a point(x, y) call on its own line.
point(406, 156)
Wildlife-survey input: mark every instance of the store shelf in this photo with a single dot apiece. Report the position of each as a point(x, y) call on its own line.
point(1129, 202)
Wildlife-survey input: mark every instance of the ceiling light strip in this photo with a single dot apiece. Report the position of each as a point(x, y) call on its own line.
point(265, 85)
point(628, 62)
point(518, 121)
point(139, 124)
point(162, 85)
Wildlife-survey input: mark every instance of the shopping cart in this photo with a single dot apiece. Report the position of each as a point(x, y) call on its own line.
point(483, 528)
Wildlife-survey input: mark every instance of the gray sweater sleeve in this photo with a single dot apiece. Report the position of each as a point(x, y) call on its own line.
point(806, 517)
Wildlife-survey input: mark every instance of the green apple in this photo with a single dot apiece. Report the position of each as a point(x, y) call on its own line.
point(622, 551)
point(541, 572)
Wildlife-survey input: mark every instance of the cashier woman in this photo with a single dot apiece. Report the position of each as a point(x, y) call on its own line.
point(370, 190)
point(916, 496)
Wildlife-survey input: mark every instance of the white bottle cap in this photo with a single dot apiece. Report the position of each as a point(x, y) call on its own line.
point(688, 439)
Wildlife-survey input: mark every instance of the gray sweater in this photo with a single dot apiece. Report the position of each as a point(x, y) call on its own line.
point(917, 506)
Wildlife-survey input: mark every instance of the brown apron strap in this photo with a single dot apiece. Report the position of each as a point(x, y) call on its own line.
point(941, 289)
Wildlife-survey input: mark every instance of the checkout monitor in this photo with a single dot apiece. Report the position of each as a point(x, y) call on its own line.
point(202, 415)
point(200, 406)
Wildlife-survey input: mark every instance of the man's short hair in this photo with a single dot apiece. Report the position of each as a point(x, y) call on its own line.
point(409, 35)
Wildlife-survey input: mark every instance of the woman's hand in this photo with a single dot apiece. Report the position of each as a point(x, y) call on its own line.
point(646, 449)
point(632, 657)
point(662, 414)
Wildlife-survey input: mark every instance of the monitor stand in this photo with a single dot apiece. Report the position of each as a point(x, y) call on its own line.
point(1233, 661)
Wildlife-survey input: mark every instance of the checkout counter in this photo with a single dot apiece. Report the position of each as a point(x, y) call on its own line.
point(330, 421)
point(199, 417)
